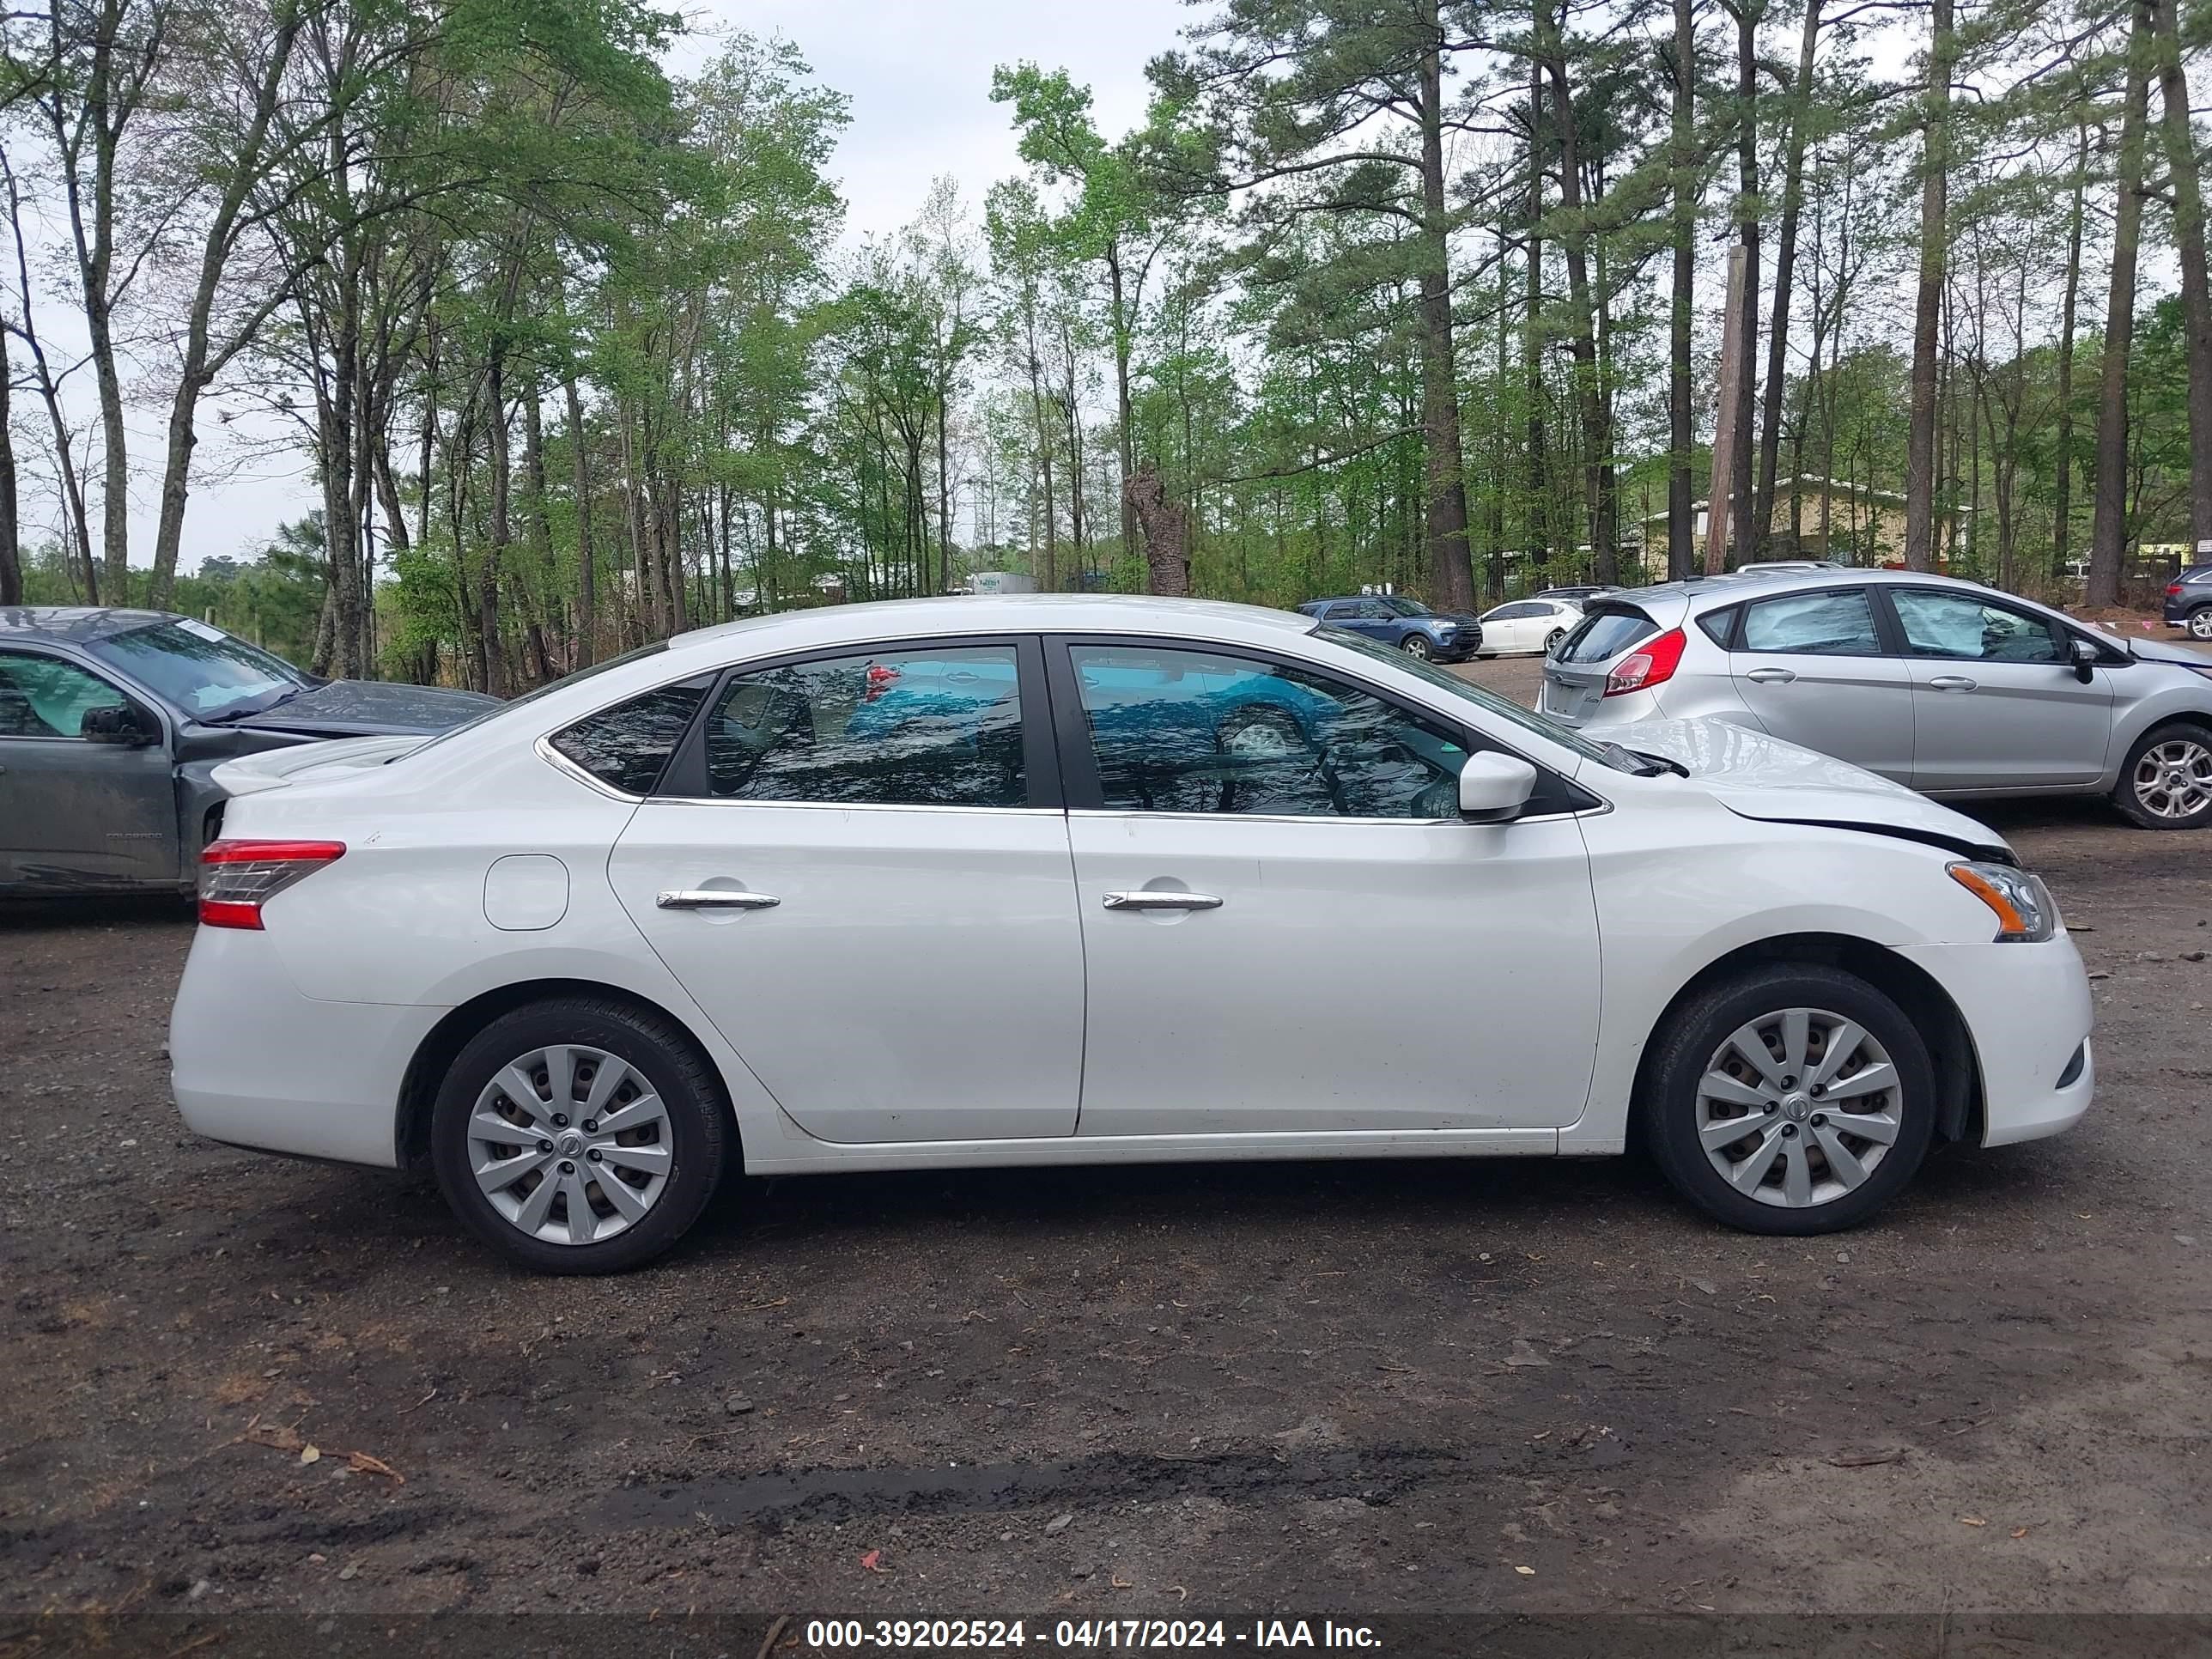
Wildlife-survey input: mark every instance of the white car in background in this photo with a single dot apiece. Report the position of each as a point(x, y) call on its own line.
point(1530, 625)
point(1233, 884)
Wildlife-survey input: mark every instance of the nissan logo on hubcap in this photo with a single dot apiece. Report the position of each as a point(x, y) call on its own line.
point(1796, 1108)
point(570, 1143)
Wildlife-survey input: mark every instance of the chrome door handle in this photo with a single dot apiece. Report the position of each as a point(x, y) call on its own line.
point(713, 898)
point(1950, 682)
point(1150, 900)
point(1770, 676)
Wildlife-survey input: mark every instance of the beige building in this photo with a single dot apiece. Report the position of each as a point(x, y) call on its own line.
point(1862, 526)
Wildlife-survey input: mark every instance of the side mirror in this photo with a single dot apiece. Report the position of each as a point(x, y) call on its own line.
point(118, 723)
point(2086, 659)
point(1494, 788)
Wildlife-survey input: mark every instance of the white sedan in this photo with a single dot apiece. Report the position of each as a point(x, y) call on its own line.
point(1070, 879)
point(1535, 625)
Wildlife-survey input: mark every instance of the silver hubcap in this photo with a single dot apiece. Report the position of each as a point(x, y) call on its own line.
point(2200, 623)
point(570, 1144)
point(2175, 779)
point(1417, 645)
point(1798, 1108)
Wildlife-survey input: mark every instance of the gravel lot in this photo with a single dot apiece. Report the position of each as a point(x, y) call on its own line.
point(1505, 1389)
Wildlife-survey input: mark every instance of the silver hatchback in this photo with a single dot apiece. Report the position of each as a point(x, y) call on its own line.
point(1946, 685)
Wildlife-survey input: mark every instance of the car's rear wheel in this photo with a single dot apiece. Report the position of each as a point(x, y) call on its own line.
point(579, 1135)
point(1552, 639)
point(1791, 1100)
point(2167, 783)
point(1417, 644)
point(2200, 623)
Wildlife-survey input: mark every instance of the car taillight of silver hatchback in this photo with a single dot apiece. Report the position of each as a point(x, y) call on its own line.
point(237, 878)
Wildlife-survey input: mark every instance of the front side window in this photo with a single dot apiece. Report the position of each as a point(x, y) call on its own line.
point(1825, 624)
point(626, 747)
point(1176, 731)
point(1962, 627)
point(202, 670)
point(1392, 604)
point(896, 729)
point(46, 697)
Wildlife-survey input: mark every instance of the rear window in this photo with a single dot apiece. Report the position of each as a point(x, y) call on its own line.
point(1604, 633)
point(626, 747)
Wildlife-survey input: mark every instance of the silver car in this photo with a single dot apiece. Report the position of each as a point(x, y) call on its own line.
point(1946, 685)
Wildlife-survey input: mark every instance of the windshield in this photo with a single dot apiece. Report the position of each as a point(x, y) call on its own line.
point(1443, 678)
point(202, 670)
point(1403, 607)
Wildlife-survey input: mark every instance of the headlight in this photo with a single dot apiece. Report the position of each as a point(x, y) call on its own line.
point(2021, 902)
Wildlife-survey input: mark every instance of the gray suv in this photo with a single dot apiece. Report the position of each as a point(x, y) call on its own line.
point(1945, 685)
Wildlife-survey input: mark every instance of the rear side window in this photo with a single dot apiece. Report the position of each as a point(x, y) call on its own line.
point(899, 728)
point(1605, 633)
point(626, 747)
point(1719, 624)
point(1823, 623)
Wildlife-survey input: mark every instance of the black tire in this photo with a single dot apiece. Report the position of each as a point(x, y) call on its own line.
point(2200, 623)
point(698, 1125)
point(1417, 644)
point(2132, 799)
point(1672, 1085)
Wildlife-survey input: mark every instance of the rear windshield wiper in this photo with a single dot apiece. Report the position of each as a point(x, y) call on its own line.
point(1639, 763)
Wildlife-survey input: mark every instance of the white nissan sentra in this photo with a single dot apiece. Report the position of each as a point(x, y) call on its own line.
point(1080, 879)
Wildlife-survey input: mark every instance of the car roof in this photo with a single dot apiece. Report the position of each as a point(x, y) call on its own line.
point(1707, 592)
point(75, 623)
point(990, 613)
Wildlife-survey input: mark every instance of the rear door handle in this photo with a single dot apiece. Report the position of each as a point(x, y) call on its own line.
point(714, 898)
point(1770, 676)
point(1152, 900)
point(1950, 682)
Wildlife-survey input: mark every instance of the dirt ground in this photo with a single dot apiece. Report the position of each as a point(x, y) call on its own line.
point(1499, 1388)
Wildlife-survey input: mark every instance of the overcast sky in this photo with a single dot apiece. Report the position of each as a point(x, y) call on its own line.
point(919, 75)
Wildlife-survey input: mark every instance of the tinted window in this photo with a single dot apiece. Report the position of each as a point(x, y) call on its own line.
point(910, 728)
point(628, 746)
point(1393, 605)
point(1513, 612)
point(1958, 625)
point(201, 669)
point(1604, 634)
point(46, 697)
point(1826, 623)
point(1203, 731)
point(1718, 624)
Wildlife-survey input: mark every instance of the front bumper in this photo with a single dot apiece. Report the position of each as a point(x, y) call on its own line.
point(255, 1063)
point(2028, 1009)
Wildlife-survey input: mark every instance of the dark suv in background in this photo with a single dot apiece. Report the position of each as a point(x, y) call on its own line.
point(2189, 601)
point(1393, 619)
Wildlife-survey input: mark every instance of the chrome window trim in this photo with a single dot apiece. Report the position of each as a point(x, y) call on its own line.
point(855, 805)
point(1599, 811)
point(560, 763)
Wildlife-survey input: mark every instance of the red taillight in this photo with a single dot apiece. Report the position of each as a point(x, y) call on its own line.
point(2173, 590)
point(237, 878)
point(1653, 664)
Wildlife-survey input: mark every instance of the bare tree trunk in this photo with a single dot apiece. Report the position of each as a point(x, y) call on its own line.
point(1574, 242)
point(11, 556)
point(2195, 291)
point(2108, 528)
point(1449, 561)
point(1785, 262)
point(1167, 532)
point(1748, 532)
point(495, 563)
point(1920, 457)
point(1681, 528)
point(1124, 408)
point(2062, 502)
point(1532, 342)
point(586, 582)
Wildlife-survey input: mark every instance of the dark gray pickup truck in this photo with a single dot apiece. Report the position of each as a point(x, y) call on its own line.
point(111, 722)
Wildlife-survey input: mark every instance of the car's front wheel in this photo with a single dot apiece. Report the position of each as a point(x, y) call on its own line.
point(1791, 1100)
point(1417, 644)
point(1552, 639)
point(579, 1135)
point(2200, 623)
point(2167, 783)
